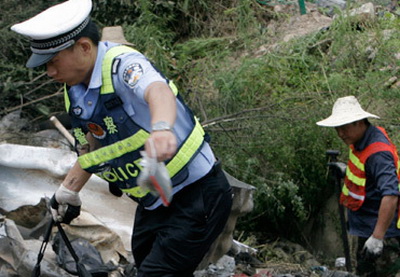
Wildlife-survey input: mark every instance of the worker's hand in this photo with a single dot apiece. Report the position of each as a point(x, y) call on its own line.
point(165, 145)
point(373, 247)
point(65, 205)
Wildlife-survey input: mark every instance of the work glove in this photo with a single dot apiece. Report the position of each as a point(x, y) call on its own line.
point(154, 177)
point(65, 205)
point(372, 248)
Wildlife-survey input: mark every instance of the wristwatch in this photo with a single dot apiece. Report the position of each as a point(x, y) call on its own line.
point(161, 126)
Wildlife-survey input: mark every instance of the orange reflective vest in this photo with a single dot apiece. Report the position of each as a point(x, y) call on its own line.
point(353, 191)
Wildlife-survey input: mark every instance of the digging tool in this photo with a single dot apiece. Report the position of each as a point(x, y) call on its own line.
point(339, 171)
point(63, 130)
point(36, 269)
point(80, 267)
point(82, 272)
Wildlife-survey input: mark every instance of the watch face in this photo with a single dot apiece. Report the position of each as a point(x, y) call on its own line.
point(161, 126)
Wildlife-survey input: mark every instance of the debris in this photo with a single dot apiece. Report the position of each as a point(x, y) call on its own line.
point(223, 267)
point(340, 262)
point(12, 122)
point(31, 174)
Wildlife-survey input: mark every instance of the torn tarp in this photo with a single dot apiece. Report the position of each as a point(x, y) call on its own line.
point(19, 256)
point(28, 173)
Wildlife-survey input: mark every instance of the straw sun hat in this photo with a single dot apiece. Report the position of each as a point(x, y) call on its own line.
point(114, 34)
point(345, 110)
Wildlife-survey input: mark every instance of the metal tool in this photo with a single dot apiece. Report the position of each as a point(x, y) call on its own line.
point(36, 269)
point(338, 169)
point(82, 271)
point(80, 267)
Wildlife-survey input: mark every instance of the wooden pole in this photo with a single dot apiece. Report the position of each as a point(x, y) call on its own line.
point(63, 130)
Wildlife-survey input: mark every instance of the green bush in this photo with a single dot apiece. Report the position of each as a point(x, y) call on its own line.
point(259, 107)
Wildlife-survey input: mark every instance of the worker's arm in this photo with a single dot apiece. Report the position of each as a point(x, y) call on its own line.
point(162, 103)
point(382, 166)
point(374, 244)
point(386, 214)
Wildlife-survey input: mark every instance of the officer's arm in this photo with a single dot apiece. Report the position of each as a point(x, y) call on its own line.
point(162, 103)
point(76, 178)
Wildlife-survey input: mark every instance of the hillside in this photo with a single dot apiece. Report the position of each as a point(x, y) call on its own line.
point(259, 75)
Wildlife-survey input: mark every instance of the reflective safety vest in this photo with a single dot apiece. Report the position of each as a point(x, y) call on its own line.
point(353, 190)
point(122, 139)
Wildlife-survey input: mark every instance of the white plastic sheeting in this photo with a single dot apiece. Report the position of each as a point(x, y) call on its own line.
point(28, 173)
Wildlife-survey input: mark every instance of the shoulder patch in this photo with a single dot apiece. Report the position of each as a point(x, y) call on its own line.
point(132, 74)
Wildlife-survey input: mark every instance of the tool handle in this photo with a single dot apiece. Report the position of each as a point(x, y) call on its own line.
point(79, 266)
point(62, 130)
point(36, 269)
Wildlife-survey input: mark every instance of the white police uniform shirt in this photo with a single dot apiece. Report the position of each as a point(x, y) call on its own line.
point(130, 87)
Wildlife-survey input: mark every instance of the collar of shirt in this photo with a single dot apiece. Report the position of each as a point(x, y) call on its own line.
point(84, 99)
point(365, 140)
point(96, 78)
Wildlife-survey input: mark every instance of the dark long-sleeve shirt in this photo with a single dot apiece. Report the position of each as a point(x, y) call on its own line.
point(381, 181)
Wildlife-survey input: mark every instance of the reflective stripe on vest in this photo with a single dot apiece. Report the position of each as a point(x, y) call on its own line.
point(134, 142)
point(184, 155)
point(353, 191)
point(107, 84)
point(354, 187)
point(108, 61)
point(113, 151)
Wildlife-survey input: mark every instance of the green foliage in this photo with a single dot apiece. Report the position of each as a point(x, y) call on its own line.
point(19, 85)
point(284, 204)
point(258, 98)
point(271, 103)
point(112, 12)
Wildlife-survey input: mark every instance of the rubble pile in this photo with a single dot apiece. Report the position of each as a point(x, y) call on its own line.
point(29, 175)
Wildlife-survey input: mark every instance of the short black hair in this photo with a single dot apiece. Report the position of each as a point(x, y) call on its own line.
point(91, 31)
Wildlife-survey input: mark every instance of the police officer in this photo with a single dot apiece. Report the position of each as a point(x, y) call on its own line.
point(371, 187)
point(122, 110)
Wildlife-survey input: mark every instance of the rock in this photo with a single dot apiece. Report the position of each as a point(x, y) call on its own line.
point(17, 258)
point(364, 13)
point(50, 138)
point(12, 122)
point(330, 273)
point(391, 81)
point(366, 10)
point(223, 267)
point(242, 204)
point(331, 3)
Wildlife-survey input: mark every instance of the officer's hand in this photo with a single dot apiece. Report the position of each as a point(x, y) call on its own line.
point(165, 145)
point(65, 205)
point(373, 247)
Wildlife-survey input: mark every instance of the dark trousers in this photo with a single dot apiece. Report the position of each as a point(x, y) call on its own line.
point(386, 265)
point(172, 241)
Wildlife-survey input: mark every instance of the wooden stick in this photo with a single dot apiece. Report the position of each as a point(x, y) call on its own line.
point(62, 130)
point(32, 102)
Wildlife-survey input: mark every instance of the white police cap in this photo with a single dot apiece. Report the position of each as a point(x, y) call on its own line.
point(54, 29)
